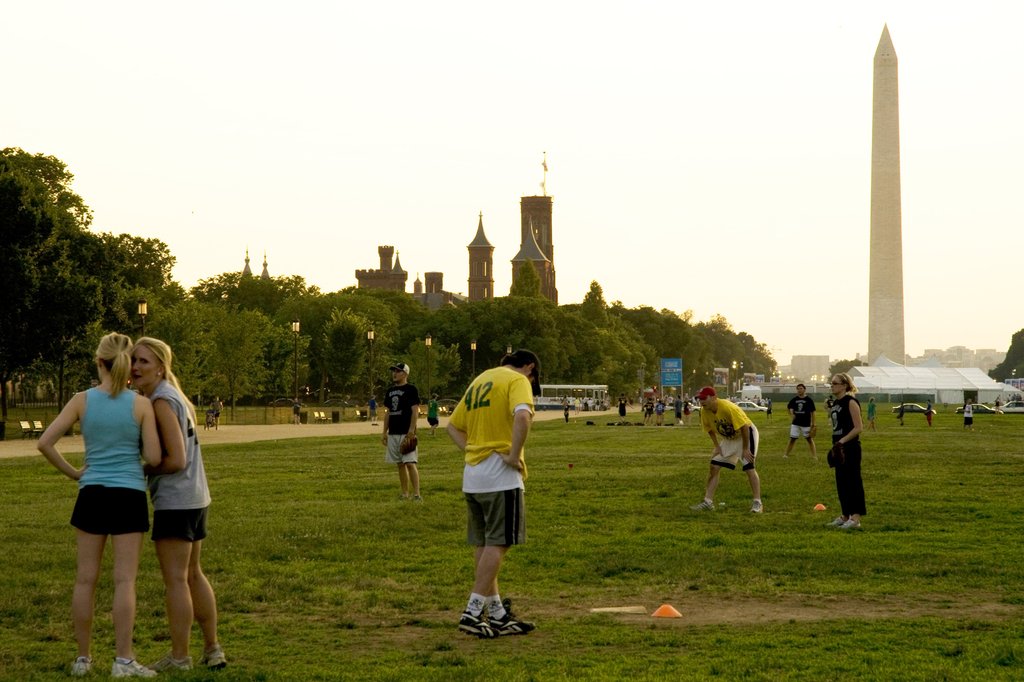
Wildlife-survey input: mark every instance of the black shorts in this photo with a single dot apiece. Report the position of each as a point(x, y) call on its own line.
point(495, 519)
point(100, 510)
point(432, 421)
point(181, 524)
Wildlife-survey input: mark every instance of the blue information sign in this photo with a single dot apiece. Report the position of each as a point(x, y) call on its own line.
point(672, 372)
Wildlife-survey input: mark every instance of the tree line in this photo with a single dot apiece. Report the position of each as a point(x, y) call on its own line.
point(66, 285)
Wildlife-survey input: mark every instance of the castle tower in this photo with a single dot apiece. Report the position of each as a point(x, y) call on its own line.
point(481, 265)
point(535, 219)
point(388, 276)
point(266, 273)
point(885, 290)
point(530, 253)
point(247, 270)
point(434, 282)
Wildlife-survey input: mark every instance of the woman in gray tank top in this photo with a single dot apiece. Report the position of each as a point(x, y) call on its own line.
point(181, 500)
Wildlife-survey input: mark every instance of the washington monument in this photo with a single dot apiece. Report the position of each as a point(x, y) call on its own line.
point(885, 295)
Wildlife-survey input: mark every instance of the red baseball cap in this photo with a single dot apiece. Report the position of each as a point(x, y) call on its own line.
point(706, 393)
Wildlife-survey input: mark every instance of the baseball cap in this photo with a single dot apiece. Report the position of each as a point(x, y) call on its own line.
point(522, 358)
point(706, 393)
point(400, 367)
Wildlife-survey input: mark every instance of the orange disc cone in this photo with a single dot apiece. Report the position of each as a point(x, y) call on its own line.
point(820, 507)
point(666, 611)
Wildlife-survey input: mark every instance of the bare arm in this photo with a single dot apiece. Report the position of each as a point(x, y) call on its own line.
point(384, 437)
point(47, 445)
point(858, 424)
point(171, 440)
point(460, 438)
point(143, 410)
point(521, 423)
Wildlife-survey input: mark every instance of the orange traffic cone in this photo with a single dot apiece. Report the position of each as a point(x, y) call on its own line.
point(820, 507)
point(666, 611)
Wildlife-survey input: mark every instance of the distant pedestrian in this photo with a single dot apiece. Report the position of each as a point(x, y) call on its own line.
point(969, 415)
point(296, 411)
point(622, 407)
point(801, 409)
point(900, 412)
point(432, 420)
point(373, 410)
point(687, 411)
point(845, 455)
point(565, 409)
point(768, 404)
point(928, 411)
point(659, 412)
point(679, 409)
point(402, 403)
point(872, 409)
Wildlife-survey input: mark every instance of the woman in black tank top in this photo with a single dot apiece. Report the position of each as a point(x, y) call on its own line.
point(844, 414)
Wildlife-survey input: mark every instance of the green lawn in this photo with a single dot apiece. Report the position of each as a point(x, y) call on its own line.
point(321, 573)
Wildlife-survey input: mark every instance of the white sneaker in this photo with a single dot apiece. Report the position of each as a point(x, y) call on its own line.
point(756, 507)
point(131, 669)
point(837, 522)
point(214, 658)
point(704, 506)
point(851, 525)
point(169, 662)
point(81, 666)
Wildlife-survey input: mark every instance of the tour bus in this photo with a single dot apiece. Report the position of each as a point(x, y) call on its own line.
point(591, 396)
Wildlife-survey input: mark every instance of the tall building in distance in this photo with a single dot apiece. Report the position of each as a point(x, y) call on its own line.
point(388, 276)
point(885, 290)
point(481, 265)
point(537, 245)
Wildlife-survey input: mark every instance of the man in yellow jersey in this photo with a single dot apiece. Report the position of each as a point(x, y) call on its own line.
point(490, 425)
point(721, 418)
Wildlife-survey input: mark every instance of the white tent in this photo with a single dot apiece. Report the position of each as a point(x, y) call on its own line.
point(946, 384)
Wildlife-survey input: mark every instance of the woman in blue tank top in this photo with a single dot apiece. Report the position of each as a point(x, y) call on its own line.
point(111, 495)
point(181, 499)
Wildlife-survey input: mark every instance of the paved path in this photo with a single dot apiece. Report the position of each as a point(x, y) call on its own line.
point(24, 447)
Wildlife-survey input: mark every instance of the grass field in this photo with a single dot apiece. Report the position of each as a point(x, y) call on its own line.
point(322, 574)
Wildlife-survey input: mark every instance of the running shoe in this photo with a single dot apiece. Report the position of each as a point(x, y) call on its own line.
point(81, 666)
point(169, 662)
point(837, 522)
point(851, 525)
point(131, 669)
point(476, 625)
point(214, 658)
point(510, 625)
point(704, 506)
point(756, 507)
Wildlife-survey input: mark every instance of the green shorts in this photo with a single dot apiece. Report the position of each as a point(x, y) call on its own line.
point(495, 519)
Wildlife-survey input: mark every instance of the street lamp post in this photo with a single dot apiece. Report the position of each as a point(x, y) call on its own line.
point(143, 311)
point(732, 383)
point(508, 349)
point(369, 363)
point(472, 347)
point(295, 360)
point(428, 341)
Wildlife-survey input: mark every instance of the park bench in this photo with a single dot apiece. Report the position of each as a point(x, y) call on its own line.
point(37, 428)
point(26, 429)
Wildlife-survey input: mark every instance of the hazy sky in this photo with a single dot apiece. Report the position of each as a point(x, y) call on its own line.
point(712, 157)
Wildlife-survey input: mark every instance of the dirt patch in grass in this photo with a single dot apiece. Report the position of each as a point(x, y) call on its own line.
point(722, 610)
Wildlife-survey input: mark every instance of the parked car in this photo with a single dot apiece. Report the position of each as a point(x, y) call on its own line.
point(280, 402)
point(1013, 407)
point(910, 408)
point(748, 406)
point(981, 408)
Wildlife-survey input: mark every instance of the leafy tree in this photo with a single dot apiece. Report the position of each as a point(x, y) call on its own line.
point(527, 281)
point(46, 299)
point(237, 341)
point(593, 308)
point(843, 366)
point(346, 349)
point(1013, 364)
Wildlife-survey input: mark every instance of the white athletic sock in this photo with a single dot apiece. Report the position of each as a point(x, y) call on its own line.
point(495, 609)
point(476, 604)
